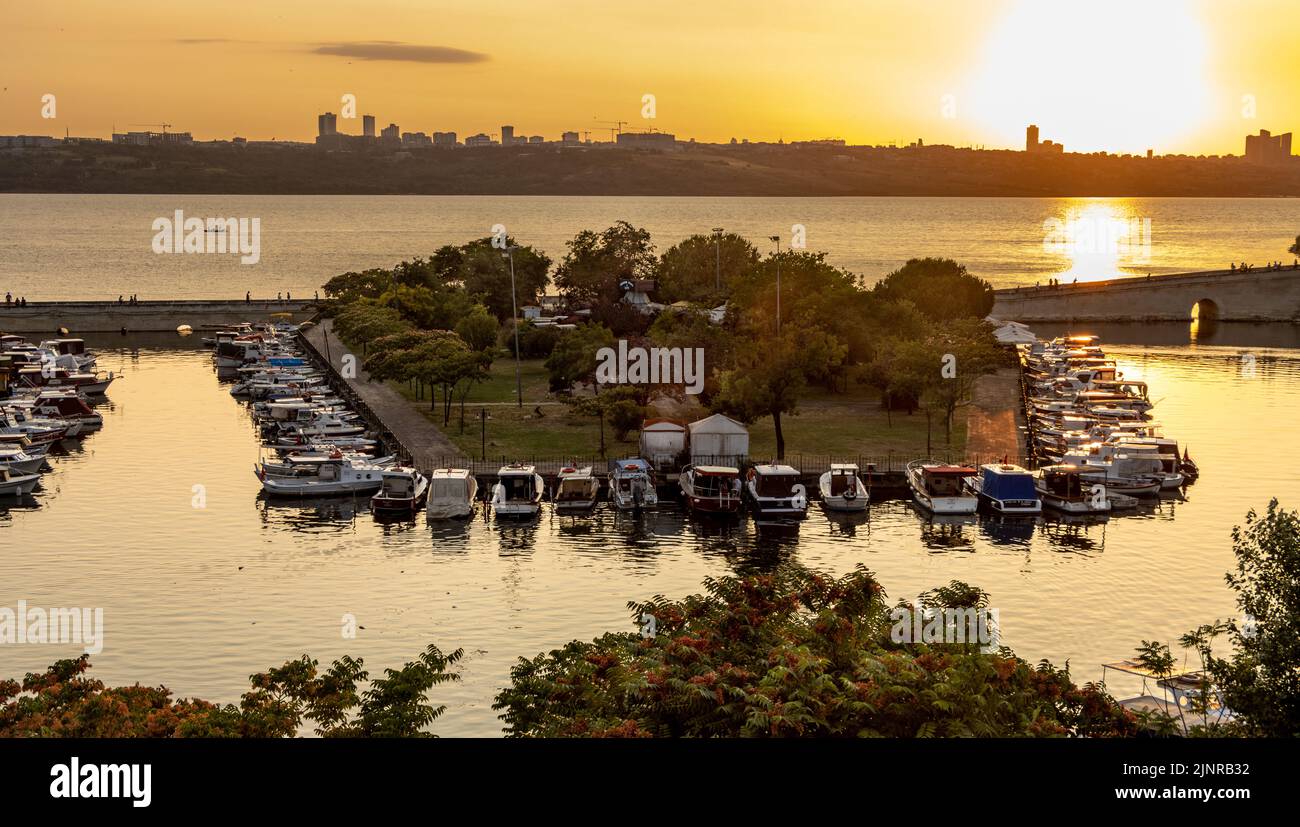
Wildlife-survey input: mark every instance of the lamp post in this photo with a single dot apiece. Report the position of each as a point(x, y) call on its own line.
point(717, 267)
point(514, 309)
point(777, 239)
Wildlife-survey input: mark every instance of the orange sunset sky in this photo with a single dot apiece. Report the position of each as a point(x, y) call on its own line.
point(1189, 76)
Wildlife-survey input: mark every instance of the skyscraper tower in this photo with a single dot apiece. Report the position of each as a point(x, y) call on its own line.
point(327, 124)
point(1031, 138)
point(368, 126)
point(507, 135)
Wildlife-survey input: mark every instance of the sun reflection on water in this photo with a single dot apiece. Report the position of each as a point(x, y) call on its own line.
point(1098, 239)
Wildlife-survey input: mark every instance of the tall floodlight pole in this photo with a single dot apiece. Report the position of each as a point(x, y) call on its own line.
point(514, 309)
point(717, 267)
point(777, 239)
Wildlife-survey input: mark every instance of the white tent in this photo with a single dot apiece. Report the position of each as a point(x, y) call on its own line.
point(718, 440)
point(1014, 333)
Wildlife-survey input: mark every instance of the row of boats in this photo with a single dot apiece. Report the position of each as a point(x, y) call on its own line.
point(49, 390)
point(1090, 431)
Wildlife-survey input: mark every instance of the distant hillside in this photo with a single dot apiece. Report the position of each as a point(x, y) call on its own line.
point(753, 170)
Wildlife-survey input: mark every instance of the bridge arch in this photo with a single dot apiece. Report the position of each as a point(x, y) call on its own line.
point(1205, 310)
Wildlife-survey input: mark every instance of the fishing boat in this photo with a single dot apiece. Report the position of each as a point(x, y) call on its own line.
point(1005, 489)
point(23, 430)
point(1064, 488)
point(452, 492)
point(16, 483)
point(632, 484)
point(518, 491)
point(403, 491)
point(841, 490)
point(14, 458)
point(576, 490)
point(775, 491)
point(304, 464)
point(92, 384)
point(324, 425)
point(337, 476)
point(711, 489)
point(940, 488)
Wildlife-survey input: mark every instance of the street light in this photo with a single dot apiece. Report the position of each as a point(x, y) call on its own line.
point(717, 249)
point(508, 252)
point(777, 239)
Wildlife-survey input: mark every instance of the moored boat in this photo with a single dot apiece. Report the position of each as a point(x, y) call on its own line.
point(842, 490)
point(337, 476)
point(632, 484)
point(940, 488)
point(1006, 489)
point(576, 490)
point(1065, 488)
point(452, 492)
point(775, 491)
point(711, 489)
point(403, 491)
point(518, 491)
point(16, 484)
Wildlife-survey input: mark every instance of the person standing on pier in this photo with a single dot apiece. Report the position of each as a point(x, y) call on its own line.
point(9, 298)
point(248, 297)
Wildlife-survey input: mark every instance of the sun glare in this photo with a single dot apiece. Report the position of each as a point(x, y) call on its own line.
point(1106, 75)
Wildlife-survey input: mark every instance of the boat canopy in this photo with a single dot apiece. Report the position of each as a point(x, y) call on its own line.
point(634, 464)
point(1008, 483)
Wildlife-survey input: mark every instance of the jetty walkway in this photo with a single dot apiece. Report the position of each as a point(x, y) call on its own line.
point(401, 422)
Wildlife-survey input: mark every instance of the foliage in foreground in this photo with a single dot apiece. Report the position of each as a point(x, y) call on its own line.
point(63, 702)
point(795, 653)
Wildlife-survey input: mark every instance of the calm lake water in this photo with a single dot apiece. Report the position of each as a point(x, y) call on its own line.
point(100, 246)
point(199, 598)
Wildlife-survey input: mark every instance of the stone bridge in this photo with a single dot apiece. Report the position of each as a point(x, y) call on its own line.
point(143, 317)
point(1215, 295)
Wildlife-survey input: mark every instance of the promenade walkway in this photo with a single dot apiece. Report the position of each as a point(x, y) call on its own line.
point(993, 423)
point(416, 434)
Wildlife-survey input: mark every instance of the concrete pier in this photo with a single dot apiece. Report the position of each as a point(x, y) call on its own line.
point(143, 317)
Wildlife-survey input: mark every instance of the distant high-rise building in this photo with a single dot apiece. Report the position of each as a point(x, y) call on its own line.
point(327, 124)
point(1267, 148)
point(1032, 144)
point(391, 134)
point(507, 135)
point(444, 139)
point(368, 126)
point(479, 140)
point(569, 137)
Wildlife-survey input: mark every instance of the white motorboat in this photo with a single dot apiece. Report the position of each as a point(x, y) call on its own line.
point(452, 492)
point(403, 492)
point(518, 491)
point(15, 459)
point(775, 491)
point(632, 484)
point(16, 484)
point(1064, 487)
point(305, 464)
point(842, 490)
point(337, 476)
point(576, 490)
point(940, 488)
point(1006, 489)
point(324, 425)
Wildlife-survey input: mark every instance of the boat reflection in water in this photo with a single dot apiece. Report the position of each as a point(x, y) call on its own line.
point(312, 515)
point(1008, 531)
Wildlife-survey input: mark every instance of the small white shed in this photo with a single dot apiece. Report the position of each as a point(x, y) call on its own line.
point(663, 442)
point(718, 440)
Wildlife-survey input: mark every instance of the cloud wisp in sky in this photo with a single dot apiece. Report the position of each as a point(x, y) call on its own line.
point(398, 51)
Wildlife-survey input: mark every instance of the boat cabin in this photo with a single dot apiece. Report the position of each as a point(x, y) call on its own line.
point(945, 480)
point(774, 480)
point(1009, 484)
point(844, 478)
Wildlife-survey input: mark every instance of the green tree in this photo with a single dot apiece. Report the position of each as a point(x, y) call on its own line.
point(794, 653)
point(484, 272)
point(349, 287)
point(573, 359)
point(769, 381)
point(692, 269)
point(478, 328)
point(63, 702)
point(941, 288)
point(364, 321)
point(1261, 680)
point(596, 262)
point(621, 406)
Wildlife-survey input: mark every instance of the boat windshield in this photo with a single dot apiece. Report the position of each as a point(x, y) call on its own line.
point(711, 486)
point(774, 485)
point(448, 489)
point(518, 488)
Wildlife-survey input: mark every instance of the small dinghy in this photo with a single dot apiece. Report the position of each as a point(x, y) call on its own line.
point(841, 490)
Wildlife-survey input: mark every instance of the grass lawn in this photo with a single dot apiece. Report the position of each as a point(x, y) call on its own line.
point(841, 425)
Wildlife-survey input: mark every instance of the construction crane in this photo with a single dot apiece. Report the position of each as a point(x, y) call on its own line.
point(614, 127)
point(164, 126)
